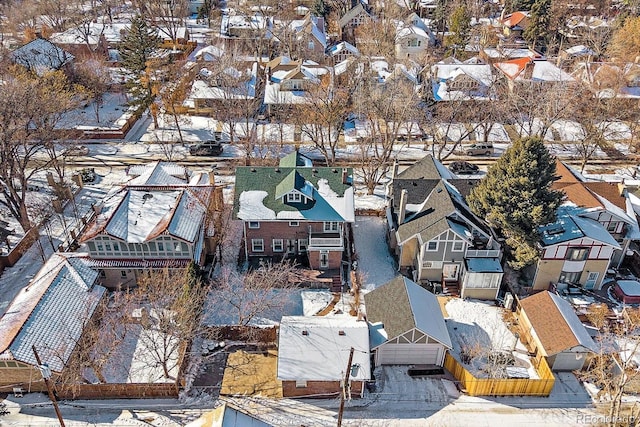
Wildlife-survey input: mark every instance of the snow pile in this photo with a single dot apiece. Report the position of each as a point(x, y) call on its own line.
point(482, 342)
point(251, 206)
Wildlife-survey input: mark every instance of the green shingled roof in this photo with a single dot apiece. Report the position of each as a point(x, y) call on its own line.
point(294, 159)
point(277, 181)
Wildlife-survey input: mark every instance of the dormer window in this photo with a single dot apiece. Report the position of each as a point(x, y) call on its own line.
point(294, 197)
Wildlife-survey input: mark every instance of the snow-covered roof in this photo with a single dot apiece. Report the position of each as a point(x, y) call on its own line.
point(40, 56)
point(328, 192)
point(149, 205)
point(210, 53)
point(570, 226)
point(343, 46)
point(543, 71)
point(201, 89)
point(51, 311)
point(157, 170)
point(629, 287)
point(316, 348)
point(444, 74)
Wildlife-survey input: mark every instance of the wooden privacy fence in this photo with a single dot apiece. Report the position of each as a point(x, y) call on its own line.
point(117, 391)
point(502, 386)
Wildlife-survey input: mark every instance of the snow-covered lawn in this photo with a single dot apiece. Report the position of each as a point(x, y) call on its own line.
point(568, 130)
point(453, 132)
point(497, 133)
point(477, 329)
point(114, 106)
point(533, 128)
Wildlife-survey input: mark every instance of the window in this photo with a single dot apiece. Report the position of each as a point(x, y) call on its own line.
point(457, 247)
point(92, 246)
point(311, 45)
point(123, 274)
point(567, 277)
point(257, 245)
point(161, 246)
point(254, 224)
point(107, 247)
point(324, 259)
point(414, 43)
point(302, 245)
point(116, 247)
point(331, 226)
point(577, 254)
point(301, 383)
point(294, 197)
point(611, 228)
point(432, 246)
point(103, 274)
point(294, 223)
point(278, 245)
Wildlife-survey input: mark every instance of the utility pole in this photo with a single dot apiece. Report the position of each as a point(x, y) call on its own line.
point(46, 374)
point(345, 386)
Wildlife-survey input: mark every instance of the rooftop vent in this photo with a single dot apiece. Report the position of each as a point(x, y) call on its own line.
point(305, 332)
point(554, 229)
point(341, 333)
point(253, 169)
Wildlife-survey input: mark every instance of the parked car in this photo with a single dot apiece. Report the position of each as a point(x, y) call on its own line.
point(76, 150)
point(463, 168)
point(479, 149)
point(222, 137)
point(206, 148)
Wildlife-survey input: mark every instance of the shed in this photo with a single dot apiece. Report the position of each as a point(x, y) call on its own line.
point(406, 324)
point(552, 328)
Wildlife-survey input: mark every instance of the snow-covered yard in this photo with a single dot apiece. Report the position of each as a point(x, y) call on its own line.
point(477, 331)
point(374, 260)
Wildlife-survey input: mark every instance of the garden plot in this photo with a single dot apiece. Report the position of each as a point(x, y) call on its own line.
point(483, 343)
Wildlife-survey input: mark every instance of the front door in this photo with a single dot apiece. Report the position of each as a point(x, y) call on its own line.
point(592, 278)
point(450, 272)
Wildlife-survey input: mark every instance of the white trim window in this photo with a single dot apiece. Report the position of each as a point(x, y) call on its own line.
point(457, 246)
point(257, 245)
point(331, 226)
point(302, 245)
point(277, 245)
point(431, 246)
point(294, 197)
point(294, 223)
point(254, 224)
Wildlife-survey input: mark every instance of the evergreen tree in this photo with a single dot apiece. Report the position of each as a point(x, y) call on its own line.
point(539, 22)
point(136, 50)
point(459, 26)
point(516, 197)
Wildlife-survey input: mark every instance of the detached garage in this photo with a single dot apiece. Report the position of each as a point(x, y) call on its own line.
point(551, 328)
point(406, 326)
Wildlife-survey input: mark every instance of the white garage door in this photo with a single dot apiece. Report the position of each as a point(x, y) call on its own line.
point(568, 362)
point(410, 354)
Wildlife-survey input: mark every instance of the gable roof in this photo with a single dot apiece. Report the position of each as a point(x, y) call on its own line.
point(40, 56)
point(295, 159)
point(441, 210)
point(515, 18)
point(313, 348)
point(227, 415)
point(50, 312)
point(419, 179)
point(543, 70)
point(569, 225)
point(402, 305)
point(259, 193)
point(352, 13)
point(556, 324)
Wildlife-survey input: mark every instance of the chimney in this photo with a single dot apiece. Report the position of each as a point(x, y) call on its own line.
point(345, 175)
point(403, 206)
point(212, 178)
point(528, 70)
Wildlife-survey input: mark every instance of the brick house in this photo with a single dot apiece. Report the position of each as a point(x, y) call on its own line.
point(313, 353)
point(157, 219)
point(295, 211)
